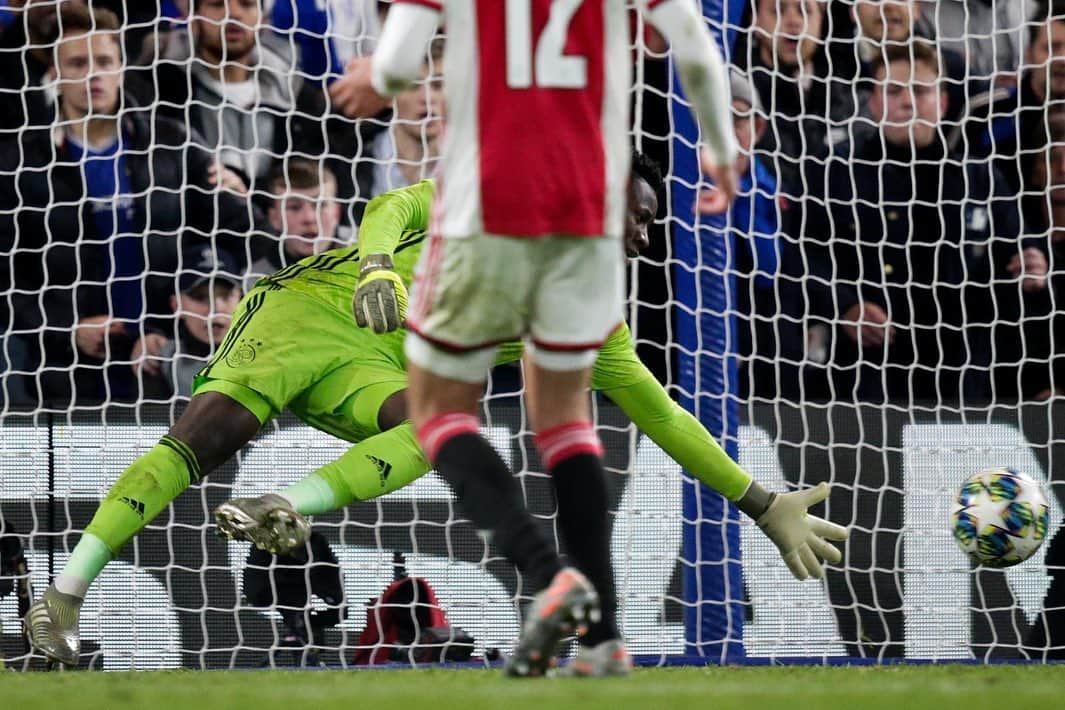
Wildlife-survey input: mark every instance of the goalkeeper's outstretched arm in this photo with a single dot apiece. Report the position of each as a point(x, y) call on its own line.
point(681, 436)
point(801, 538)
point(391, 214)
point(380, 300)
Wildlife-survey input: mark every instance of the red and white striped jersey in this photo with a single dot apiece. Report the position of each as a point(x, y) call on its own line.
point(537, 117)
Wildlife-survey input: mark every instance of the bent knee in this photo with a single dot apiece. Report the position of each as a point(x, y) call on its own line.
point(215, 427)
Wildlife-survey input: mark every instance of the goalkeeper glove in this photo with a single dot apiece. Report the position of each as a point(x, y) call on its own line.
point(802, 538)
point(380, 298)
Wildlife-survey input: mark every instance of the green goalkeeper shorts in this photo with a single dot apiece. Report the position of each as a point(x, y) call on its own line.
point(288, 350)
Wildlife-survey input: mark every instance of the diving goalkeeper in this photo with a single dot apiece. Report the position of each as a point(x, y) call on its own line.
point(292, 344)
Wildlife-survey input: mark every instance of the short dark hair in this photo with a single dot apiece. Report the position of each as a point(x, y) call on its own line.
point(1046, 12)
point(917, 52)
point(646, 168)
point(80, 19)
point(299, 174)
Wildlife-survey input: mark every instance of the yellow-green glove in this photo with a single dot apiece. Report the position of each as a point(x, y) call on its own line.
point(381, 298)
point(802, 538)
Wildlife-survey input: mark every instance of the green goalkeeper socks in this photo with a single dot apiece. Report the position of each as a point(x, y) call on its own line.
point(138, 496)
point(311, 496)
point(381, 464)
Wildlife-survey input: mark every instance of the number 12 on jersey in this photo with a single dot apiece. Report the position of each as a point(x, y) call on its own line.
point(553, 68)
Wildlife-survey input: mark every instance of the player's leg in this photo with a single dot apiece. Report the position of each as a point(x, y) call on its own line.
point(377, 465)
point(471, 292)
point(572, 453)
point(211, 429)
point(362, 401)
point(585, 277)
point(393, 411)
point(444, 415)
point(292, 345)
point(251, 377)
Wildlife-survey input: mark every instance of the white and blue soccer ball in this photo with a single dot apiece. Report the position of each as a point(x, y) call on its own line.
point(1000, 517)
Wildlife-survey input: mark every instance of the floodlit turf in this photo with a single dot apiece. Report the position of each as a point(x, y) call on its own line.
point(897, 688)
point(795, 688)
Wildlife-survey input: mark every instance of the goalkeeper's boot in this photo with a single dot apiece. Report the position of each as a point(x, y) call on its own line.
point(566, 607)
point(610, 658)
point(269, 522)
point(52, 626)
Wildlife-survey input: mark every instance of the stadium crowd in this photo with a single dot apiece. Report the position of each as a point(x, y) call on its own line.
point(903, 187)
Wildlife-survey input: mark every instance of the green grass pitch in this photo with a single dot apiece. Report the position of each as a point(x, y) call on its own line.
point(715, 688)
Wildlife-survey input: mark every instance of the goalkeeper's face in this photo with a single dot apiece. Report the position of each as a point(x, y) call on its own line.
point(643, 204)
point(88, 71)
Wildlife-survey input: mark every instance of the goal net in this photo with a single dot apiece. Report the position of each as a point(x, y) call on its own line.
point(877, 311)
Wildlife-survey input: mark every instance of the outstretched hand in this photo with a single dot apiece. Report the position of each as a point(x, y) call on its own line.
point(803, 539)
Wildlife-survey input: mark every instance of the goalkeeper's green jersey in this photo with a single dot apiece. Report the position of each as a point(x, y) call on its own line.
point(396, 223)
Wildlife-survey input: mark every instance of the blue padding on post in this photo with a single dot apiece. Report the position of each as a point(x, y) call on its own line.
point(704, 284)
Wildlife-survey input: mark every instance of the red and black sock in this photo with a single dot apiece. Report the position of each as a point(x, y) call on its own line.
point(488, 493)
point(573, 454)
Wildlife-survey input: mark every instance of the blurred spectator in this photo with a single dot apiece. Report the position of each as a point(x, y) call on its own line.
point(784, 54)
point(304, 212)
point(26, 98)
point(896, 23)
point(1045, 181)
point(209, 290)
point(242, 98)
point(87, 207)
point(987, 34)
point(753, 220)
point(1033, 365)
point(25, 55)
point(904, 247)
point(1010, 124)
point(1049, 173)
point(353, 94)
point(408, 151)
point(327, 35)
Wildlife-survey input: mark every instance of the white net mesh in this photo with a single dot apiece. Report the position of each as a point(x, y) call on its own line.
point(884, 294)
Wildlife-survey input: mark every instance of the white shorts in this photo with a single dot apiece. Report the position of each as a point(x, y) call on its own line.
point(564, 295)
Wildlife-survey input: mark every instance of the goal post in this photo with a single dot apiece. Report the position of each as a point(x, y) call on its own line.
point(706, 376)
